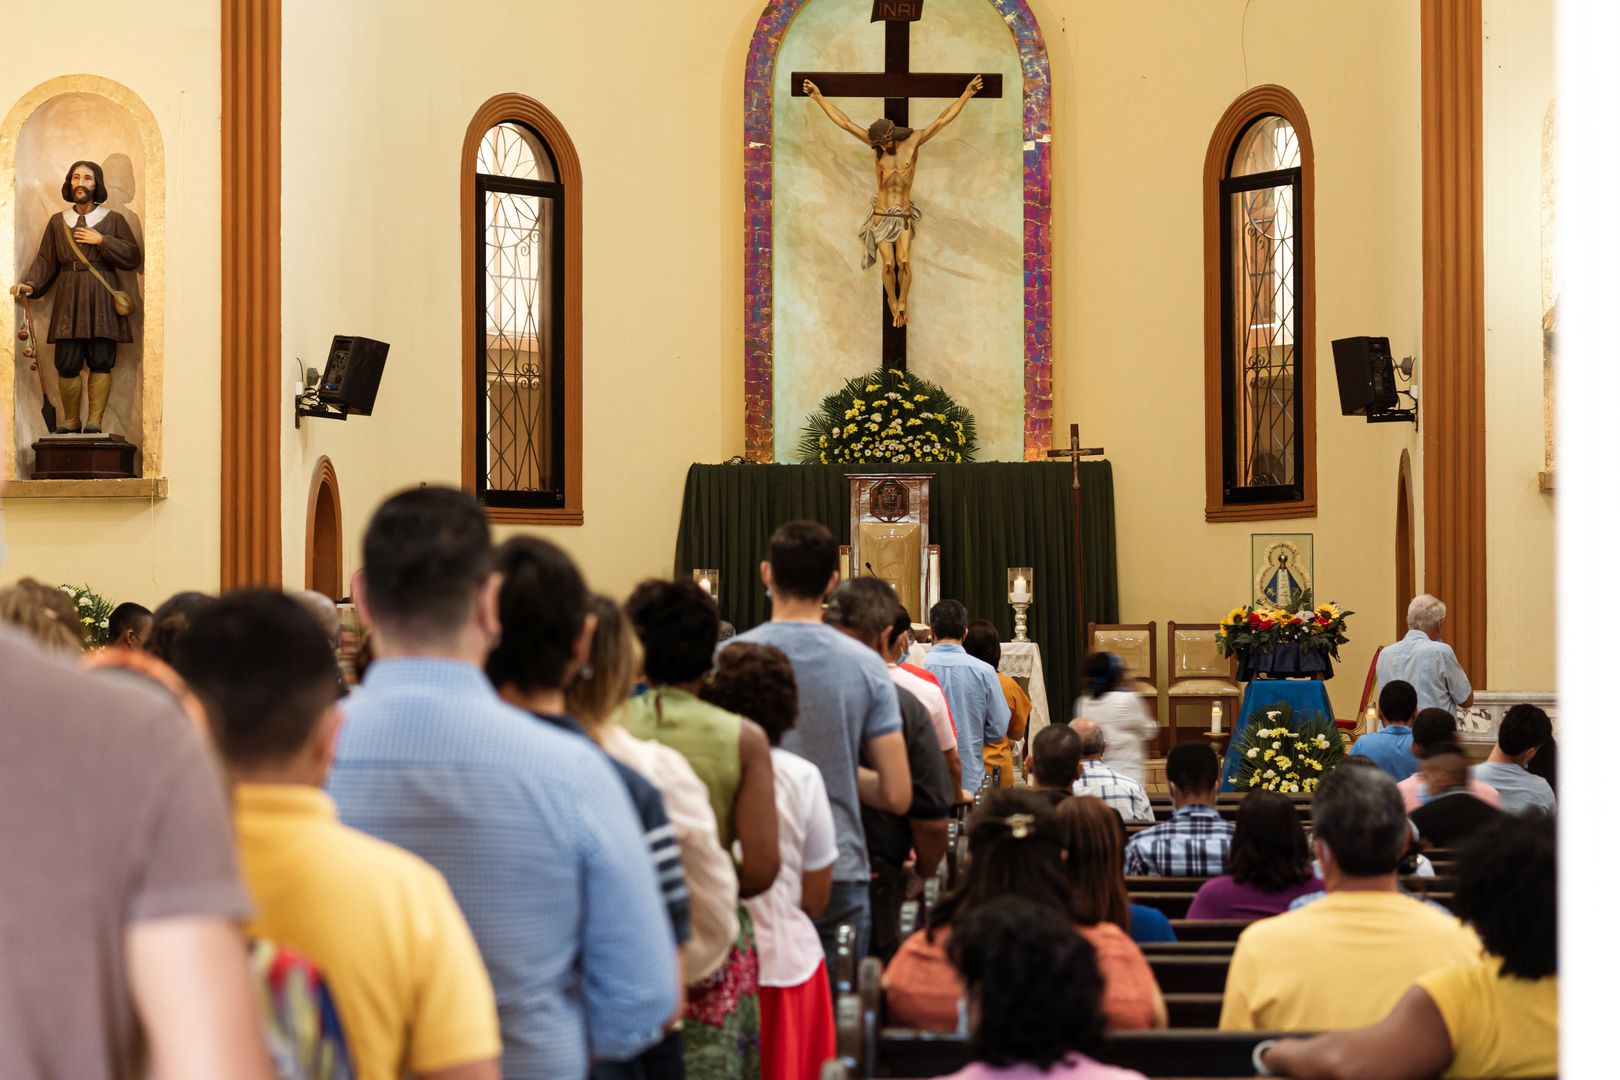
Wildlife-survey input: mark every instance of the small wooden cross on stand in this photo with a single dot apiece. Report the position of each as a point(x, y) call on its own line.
point(897, 84)
point(1074, 453)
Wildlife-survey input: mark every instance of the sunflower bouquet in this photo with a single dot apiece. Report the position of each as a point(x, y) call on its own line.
point(890, 416)
point(1273, 754)
point(1261, 627)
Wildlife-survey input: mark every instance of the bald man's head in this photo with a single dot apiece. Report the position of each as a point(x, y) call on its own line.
point(1092, 740)
point(325, 611)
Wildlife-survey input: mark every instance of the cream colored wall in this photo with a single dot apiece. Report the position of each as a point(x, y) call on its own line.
point(1138, 91)
point(376, 103)
point(1519, 83)
point(168, 54)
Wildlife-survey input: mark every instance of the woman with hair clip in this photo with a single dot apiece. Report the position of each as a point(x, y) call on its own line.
point(1033, 996)
point(1119, 712)
point(1095, 834)
point(1015, 849)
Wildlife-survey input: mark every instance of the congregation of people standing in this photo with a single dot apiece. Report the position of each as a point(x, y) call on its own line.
point(540, 834)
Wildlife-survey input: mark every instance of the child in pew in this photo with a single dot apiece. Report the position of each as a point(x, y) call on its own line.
point(1496, 1016)
point(1015, 849)
point(1033, 998)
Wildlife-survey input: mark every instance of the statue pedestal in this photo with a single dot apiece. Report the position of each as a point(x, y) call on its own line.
point(83, 457)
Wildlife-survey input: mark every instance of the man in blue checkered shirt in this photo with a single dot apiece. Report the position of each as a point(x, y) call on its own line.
point(1196, 839)
point(1099, 781)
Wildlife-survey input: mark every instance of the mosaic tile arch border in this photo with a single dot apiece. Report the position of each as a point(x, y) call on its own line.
point(758, 141)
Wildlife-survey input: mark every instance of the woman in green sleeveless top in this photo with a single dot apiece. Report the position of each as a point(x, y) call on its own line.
point(679, 627)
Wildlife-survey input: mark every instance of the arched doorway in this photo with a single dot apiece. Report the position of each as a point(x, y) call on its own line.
point(1405, 549)
point(323, 533)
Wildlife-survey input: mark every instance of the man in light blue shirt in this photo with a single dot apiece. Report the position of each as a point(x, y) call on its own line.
point(971, 686)
point(847, 708)
point(1524, 731)
point(1422, 659)
point(529, 824)
point(1391, 748)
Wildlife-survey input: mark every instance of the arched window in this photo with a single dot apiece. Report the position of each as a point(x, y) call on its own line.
point(521, 310)
point(1260, 312)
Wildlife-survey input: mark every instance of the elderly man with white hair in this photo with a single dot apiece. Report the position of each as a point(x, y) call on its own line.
point(1425, 661)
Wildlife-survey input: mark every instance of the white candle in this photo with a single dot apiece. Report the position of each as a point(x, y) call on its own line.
point(1020, 591)
point(1215, 718)
point(706, 585)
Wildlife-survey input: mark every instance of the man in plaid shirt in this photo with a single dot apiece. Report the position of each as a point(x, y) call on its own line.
point(1096, 779)
point(1196, 839)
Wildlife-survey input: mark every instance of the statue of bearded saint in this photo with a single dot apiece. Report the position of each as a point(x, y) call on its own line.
point(887, 234)
point(80, 253)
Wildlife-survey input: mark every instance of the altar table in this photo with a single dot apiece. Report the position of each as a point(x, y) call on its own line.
point(1307, 697)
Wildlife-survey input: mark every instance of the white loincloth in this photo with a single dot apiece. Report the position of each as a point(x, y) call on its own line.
point(885, 227)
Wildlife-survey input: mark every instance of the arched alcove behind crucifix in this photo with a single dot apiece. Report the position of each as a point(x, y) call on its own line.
point(323, 536)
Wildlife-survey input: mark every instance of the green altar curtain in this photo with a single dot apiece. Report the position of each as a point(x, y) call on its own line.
point(985, 517)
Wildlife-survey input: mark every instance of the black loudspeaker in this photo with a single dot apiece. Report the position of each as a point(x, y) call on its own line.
point(1366, 373)
point(354, 367)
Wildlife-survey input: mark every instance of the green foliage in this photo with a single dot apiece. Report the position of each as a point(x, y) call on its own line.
point(888, 416)
point(94, 610)
point(1276, 755)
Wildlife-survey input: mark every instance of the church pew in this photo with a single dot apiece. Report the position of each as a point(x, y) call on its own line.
point(869, 1049)
point(1175, 904)
point(1190, 974)
point(1411, 883)
point(1186, 948)
point(1193, 1010)
point(1209, 929)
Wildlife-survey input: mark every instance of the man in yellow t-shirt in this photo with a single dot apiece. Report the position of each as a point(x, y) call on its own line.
point(379, 922)
point(1345, 959)
point(1496, 1016)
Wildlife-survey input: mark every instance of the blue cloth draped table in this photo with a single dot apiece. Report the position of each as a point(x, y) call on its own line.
point(1307, 697)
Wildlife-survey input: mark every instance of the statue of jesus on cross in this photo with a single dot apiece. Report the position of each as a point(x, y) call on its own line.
point(888, 232)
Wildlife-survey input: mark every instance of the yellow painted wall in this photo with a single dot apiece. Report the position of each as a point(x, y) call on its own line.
point(168, 54)
point(1519, 84)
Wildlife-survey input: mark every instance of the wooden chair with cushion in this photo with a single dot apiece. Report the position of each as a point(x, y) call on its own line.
point(1137, 646)
point(1200, 675)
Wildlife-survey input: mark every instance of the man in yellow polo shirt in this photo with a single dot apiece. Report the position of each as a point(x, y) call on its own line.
point(380, 923)
point(1345, 959)
point(1496, 1016)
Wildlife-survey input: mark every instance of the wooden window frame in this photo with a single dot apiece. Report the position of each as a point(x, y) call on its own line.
point(515, 108)
point(1259, 102)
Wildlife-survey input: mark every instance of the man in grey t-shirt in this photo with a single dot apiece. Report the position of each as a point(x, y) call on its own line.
point(1524, 729)
point(847, 703)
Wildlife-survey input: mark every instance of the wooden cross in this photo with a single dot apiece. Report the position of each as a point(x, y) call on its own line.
point(1074, 453)
point(896, 84)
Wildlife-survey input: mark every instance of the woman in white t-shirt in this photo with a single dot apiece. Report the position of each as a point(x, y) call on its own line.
point(797, 1034)
point(1119, 712)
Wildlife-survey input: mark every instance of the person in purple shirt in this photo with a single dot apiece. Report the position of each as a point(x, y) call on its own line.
point(1269, 868)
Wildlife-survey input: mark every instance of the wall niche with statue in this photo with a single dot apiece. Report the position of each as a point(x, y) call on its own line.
point(81, 329)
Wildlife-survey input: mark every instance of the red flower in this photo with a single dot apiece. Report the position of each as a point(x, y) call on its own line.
point(1255, 620)
point(1266, 624)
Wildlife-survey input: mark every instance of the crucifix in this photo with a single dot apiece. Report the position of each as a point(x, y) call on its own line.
point(1074, 453)
point(897, 84)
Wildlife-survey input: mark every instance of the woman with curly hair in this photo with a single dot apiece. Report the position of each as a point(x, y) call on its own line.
point(1496, 1016)
point(1033, 995)
point(1015, 849)
point(1269, 866)
point(796, 1032)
